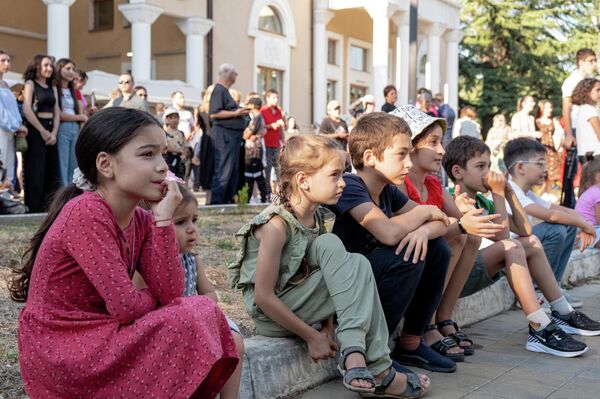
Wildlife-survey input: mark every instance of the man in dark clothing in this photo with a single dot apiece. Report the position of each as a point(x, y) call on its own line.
point(228, 123)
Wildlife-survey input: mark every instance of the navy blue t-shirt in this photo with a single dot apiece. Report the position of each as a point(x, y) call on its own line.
point(355, 237)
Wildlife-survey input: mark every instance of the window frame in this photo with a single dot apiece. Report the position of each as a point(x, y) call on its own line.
point(277, 15)
point(92, 27)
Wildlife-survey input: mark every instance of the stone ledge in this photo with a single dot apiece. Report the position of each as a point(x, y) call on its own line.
point(281, 368)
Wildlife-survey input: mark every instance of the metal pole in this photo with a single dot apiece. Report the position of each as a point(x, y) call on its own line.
point(412, 58)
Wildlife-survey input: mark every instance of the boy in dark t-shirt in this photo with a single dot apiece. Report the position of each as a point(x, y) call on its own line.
point(400, 239)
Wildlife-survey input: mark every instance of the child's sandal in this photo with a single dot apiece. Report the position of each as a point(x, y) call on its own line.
point(355, 373)
point(413, 390)
point(444, 345)
point(459, 337)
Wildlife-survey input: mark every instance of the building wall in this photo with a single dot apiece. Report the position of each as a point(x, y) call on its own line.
point(301, 78)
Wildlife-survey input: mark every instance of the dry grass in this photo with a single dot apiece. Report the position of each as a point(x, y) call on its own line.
point(217, 247)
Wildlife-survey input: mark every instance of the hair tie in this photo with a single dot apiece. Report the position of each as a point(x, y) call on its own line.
point(81, 182)
point(276, 199)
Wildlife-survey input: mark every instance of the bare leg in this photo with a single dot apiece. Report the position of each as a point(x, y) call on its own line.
point(510, 255)
point(208, 196)
point(231, 388)
point(457, 246)
point(539, 268)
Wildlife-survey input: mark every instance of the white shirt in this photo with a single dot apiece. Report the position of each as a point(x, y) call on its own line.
point(567, 91)
point(587, 140)
point(527, 199)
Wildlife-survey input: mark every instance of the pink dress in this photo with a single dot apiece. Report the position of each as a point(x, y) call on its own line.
point(86, 332)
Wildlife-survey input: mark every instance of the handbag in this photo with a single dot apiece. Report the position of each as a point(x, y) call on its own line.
point(21, 144)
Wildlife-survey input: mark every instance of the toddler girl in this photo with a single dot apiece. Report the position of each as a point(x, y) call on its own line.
point(588, 204)
point(294, 274)
point(85, 330)
point(185, 218)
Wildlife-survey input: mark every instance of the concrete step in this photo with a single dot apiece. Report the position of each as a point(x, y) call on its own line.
point(281, 368)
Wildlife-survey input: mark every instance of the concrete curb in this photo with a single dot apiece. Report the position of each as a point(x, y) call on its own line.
point(281, 368)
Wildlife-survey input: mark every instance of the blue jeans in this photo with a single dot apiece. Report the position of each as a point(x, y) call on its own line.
point(65, 142)
point(557, 240)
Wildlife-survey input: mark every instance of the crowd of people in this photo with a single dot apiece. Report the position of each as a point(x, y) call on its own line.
point(362, 241)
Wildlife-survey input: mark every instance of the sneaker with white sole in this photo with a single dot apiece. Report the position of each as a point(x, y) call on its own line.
point(576, 323)
point(554, 341)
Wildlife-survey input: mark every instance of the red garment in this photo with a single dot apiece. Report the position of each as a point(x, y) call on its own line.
point(86, 332)
point(272, 136)
point(434, 191)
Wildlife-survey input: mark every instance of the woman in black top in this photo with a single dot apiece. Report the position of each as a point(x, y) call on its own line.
point(41, 174)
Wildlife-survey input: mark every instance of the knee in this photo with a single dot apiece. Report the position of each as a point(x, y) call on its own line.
point(559, 231)
point(512, 245)
point(532, 244)
point(239, 344)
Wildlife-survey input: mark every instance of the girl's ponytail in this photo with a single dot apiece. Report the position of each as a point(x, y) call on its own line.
point(18, 284)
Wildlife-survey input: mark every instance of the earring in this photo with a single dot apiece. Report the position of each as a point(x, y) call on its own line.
point(304, 186)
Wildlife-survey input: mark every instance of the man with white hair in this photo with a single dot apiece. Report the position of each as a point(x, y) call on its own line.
point(228, 123)
point(334, 126)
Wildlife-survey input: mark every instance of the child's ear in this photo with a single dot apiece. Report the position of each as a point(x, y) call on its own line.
point(104, 165)
point(302, 181)
point(456, 172)
point(369, 158)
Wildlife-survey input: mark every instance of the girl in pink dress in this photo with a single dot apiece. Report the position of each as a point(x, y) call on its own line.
point(85, 331)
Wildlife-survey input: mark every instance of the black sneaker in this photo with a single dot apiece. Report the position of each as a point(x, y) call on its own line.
point(576, 323)
point(554, 341)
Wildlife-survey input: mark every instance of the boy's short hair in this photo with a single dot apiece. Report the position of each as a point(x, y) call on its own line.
point(460, 150)
point(582, 54)
point(521, 149)
point(255, 102)
point(374, 132)
point(271, 92)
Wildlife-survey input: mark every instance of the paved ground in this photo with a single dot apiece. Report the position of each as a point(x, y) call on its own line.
point(502, 368)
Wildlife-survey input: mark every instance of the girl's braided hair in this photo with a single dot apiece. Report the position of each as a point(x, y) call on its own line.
point(303, 153)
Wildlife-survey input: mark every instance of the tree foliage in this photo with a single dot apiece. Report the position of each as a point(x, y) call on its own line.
point(513, 48)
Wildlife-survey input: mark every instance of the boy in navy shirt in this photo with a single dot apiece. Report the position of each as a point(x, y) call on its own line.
point(400, 239)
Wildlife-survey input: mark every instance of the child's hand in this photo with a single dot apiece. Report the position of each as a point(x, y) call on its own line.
point(481, 226)
point(320, 347)
point(495, 182)
point(416, 244)
point(163, 210)
point(586, 240)
point(463, 202)
point(436, 213)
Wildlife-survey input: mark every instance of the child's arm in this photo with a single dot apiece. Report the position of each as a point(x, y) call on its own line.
point(203, 286)
point(470, 220)
point(272, 237)
point(597, 209)
point(519, 222)
point(561, 215)
point(390, 231)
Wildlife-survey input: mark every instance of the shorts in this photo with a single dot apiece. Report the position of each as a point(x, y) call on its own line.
point(479, 278)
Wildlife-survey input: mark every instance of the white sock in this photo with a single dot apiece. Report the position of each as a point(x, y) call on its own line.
point(538, 320)
point(562, 306)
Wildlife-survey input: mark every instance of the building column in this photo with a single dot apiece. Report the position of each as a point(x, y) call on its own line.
point(453, 37)
point(58, 27)
point(381, 45)
point(402, 56)
point(141, 16)
point(434, 33)
point(195, 30)
point(321, 15)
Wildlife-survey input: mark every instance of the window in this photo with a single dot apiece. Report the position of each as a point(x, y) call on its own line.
point(102, 15)
point(331, 90)
point(332, 52)
point(269, 79)
point(423, 64)
point(269, 20)
point(356, 92)
point(358, 58)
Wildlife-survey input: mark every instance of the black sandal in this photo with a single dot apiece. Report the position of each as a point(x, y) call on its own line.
point(444, 345)
point(355, 373)
point(459, 336)
point(413, 390)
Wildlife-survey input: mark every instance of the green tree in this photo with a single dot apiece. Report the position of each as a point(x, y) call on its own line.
point(513, 48)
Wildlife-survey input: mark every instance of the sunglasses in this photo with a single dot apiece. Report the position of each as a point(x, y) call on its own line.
point(337, 108)
point(124, 82)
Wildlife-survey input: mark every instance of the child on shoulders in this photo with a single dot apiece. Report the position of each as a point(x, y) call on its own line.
point(294, 274)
